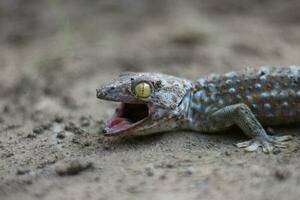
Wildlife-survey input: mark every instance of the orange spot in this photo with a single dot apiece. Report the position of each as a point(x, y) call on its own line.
point(225, 86)
point(290, 93)
point(272, 78)
point(275, 104)
point(241, 88)
point(194, 109)
point(201, 101)
point(269, 85)
point(250, 87)
point(195, 100)
point(173, 107)
point(174, 99)
point(255, 97)
point(208, 94)
point(286, 85)
point(166, 115)
point(162, 104)
point(197, 87)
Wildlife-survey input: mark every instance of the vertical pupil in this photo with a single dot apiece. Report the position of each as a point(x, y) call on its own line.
point(143, 88)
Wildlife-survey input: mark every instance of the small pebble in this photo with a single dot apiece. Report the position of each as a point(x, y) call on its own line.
point(22, 171)
point(7, 155)
point(61, 135)
point(31, 135)
point(162, 177)
point(46, 126)
point(281, 174)
point(38, 130)
point(72, 167)
point(73, 128)
point(149, 172)
point(169, 165)
point(276, 151)
point(84, 121)
point(58, 119)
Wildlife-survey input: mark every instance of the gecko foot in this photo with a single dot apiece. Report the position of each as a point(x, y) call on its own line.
point(267, 144)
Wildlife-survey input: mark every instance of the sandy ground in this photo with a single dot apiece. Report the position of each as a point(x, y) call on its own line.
point(53, 56)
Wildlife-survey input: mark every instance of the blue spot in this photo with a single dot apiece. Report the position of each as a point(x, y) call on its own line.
point(197, 106)
point(214, 97)
point(298, 93)
point(254, 106)
point(263, 78)
point(231, 90)
point(294, 70)
point(199, 94)
point(264, 95)
point(231, 74)
point(283, 93)
point(292, 113)
point(263, 70)
point(239, 97)
point(221, 102)
point(285, 104)
point(250, 98)
point(257, 86)
point(206, 99)
point(273, 94)
point(212, 88)
point(228, 81)
point(201, 82)
point(267, 106)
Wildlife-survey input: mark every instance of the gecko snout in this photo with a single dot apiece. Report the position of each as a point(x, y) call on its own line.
point(101, 93)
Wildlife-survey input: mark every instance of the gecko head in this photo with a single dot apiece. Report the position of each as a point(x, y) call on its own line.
point(149, 103)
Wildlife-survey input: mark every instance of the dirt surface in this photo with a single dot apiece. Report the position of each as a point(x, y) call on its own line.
point(53, 56)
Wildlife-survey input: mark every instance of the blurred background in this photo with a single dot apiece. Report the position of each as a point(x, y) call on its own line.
point(54, 54)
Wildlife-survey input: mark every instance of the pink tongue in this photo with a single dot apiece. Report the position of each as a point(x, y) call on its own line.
point(118, 121)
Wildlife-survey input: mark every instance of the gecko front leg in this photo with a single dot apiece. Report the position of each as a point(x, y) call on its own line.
point(242, 116)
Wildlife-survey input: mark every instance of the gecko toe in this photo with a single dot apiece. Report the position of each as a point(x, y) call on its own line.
point(267, 147)
point(267, 144)
point(281, 138)
point(253, 147)
point(244, 144)
point(281, 145)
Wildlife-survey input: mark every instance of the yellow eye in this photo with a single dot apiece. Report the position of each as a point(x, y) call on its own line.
point(142, 89)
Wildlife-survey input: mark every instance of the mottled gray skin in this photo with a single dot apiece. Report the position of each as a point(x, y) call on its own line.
point(248, 99)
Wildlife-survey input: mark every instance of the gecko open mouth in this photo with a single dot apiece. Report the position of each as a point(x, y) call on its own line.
point(126, 116)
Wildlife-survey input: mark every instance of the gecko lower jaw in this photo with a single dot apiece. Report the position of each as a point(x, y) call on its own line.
point(126, 117)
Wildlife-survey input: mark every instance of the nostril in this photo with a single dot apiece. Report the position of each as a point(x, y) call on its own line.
point(112, 88)
point(100, 93)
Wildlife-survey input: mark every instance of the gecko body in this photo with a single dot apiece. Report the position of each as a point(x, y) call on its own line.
point(250, 99)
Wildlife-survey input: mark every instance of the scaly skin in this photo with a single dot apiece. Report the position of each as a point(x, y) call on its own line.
point(250, 99)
